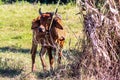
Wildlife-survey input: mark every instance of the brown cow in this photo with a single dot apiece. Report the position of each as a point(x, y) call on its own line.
point(50, 38)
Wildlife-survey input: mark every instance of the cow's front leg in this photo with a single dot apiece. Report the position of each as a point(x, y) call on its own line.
point(51, 59)
point(33, 54)
point(42, 57)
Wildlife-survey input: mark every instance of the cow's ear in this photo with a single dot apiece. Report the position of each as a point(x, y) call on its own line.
point(58, 23)
point(35, 22)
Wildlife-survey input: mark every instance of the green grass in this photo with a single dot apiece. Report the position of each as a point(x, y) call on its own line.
point(16, 36)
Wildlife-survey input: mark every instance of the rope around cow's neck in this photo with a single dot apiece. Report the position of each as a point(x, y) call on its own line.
point(53, 44)
point(54, 14)
point(51, 38)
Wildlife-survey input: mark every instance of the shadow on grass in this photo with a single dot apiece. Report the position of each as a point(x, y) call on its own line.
point(9, 73)
point(70, 70)
point(60, 73)
point(43, 75)
point(14, 50)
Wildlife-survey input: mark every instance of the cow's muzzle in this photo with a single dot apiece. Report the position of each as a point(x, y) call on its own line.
point(41, 29)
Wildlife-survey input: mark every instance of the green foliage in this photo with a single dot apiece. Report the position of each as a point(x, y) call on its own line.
point(1, 2)
point(39, 1)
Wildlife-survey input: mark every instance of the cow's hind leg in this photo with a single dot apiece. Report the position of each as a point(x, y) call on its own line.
point(42, 57)
point(33, 54)
point(59, 57)
point(60, 44)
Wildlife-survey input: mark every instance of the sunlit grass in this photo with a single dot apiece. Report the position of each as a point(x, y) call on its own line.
point(15, 21)
point(16, 34)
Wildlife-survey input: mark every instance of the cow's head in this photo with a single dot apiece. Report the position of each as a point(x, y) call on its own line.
point(45, 21)
point(36, 28)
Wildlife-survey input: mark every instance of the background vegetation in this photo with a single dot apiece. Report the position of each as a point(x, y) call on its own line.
point(38, 1)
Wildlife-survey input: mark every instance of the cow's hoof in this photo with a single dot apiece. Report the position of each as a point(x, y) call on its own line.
point(45, 69)
point(33, 69)
point(52, 72)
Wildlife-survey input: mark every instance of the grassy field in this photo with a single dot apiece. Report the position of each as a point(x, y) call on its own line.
point(16, 35)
